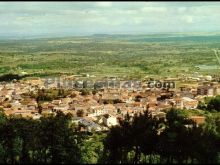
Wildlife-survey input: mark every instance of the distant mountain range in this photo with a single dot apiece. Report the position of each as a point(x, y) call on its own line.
point(198, 36)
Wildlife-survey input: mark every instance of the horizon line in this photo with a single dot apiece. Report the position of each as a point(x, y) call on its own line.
point(51, 36)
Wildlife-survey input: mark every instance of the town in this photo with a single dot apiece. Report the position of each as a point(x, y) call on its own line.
point(100, 108)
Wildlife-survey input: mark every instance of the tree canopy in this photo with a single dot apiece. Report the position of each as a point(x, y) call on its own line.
point(140, 139)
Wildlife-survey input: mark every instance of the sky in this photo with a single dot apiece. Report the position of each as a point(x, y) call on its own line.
point(87, 18)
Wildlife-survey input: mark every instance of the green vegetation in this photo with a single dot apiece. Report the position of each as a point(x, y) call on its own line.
point(49, 140)
point(134, 56)
point(145, 139)
point(214, 104)
point(140, 142)
point(50, 94)
point(84, 92)
point(10, 76)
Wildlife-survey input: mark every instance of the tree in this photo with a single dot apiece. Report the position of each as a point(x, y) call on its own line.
point(92, 148)
point(84, 92)
point(3, 120)
point(25, 131)
point(116, 144)
point(80, 113)
point(146, 128)
point(58, 139)
point(9, 138)
point(94, 91)
point(209, 143)
point(52, 139)
point(134, 136)
point(174, 140)
point(214, 104)
point(202, 105)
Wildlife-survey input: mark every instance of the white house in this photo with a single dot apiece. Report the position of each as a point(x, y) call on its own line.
point(189, 103)
point(97, 111)
point(110, 120)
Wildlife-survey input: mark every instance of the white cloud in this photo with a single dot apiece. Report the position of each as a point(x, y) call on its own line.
point(182, 9)
point(104, 4)
point(154, 9)
point(107, 16)
point(188, 19)
point(138, 20)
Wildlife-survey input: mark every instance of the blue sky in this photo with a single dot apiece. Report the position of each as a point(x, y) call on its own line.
point(85, 18)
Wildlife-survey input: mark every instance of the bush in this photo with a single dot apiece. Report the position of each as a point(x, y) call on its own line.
point(84, 92)
point(214, 104)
